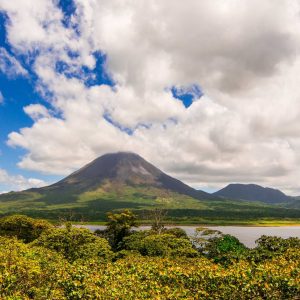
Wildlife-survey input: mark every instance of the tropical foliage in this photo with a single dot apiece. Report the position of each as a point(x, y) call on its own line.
point(74, 243)
point(221, 248)
point(66, 262)
point(23, 227)
point(164, 245)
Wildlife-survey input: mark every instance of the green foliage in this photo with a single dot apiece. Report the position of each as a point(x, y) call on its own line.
point(119, 226)
point(271, 246)
point(203, 236)
point(75, 243)
point(164, 245)
point(35, 273)
point(135, 239)
point(276, 244)
point(29, 272)
point(95, 203)
point(71, 264)
point(222, 248)
point(23, 227)
point(177, 232)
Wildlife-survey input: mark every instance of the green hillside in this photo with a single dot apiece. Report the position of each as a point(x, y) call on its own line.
point(93, 205)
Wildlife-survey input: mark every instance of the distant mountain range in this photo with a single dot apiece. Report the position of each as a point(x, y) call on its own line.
point(253, 192)
point(126, 180)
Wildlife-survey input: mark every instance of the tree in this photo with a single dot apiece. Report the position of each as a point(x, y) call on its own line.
point(177, 232)
point(165, 245)
point(276, 244)
point(75, 243)
point(271, 246)
point(222, 248)
point(23, 227)
point(119, 226)
point(202, 236)
point(157, 217)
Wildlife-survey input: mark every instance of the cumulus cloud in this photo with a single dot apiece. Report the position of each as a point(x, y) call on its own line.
point(17, 182)
point(36, 111)
point(244, 129)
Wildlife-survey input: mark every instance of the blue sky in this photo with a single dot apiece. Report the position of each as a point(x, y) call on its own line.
point(20, 90)
point(80, 78)
point(17, 91)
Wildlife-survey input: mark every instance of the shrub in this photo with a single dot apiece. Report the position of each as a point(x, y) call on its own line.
point(29, 273)
point(160, 245)
point(118, 227)
point(224, 249)
point(276, 244)
point(272, 246)
point(23, 227)
point(75, 243)
point(178, 232)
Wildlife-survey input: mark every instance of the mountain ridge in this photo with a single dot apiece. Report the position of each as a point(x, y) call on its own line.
point(253, 192)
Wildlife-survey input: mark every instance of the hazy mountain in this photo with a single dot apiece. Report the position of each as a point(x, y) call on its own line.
point(253, 192)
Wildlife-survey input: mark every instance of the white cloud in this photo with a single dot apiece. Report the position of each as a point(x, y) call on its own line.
point(17, 182)
point(36, 111)
point(245, 128)
point(1, 98)
point(9, 65)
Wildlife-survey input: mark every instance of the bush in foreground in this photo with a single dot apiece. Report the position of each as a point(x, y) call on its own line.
point(164, 245)
point(28, 272)
point(73, 263)
point(75, 243)
point(23, 227)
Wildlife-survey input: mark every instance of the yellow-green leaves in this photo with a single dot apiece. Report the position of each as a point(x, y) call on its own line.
point(28, 272)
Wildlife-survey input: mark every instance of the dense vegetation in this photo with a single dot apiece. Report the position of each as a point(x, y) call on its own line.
point(182, 209)
point(41, 261)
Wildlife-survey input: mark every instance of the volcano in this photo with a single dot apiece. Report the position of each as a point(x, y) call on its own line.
point(110, 182)
point(122, 168)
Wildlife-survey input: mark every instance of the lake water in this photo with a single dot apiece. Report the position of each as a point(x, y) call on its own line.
point(246, 235)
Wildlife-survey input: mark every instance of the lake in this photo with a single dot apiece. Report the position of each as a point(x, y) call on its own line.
point(246, 235)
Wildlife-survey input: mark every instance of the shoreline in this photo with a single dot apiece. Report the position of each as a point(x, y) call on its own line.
point(167, 224)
